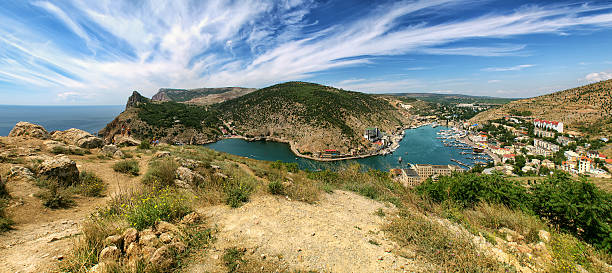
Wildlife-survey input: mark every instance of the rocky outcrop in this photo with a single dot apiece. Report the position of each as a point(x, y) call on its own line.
point(125, 141)
point(109, 150)
point(187, 177)
point(135, 99)
point(29, 129)
point(79, 138)
point(19, 172)
point(60, 168)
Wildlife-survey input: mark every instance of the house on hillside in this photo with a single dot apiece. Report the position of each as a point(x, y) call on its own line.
point(564, 141)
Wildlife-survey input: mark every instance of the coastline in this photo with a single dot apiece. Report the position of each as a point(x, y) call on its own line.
point(395, 140)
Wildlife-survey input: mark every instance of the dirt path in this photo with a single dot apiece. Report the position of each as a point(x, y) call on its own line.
point(42, 236)
point(339, 234)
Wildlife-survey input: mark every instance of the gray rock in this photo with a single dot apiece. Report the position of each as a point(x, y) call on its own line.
point(114, 240)
point(109, 150)
point(544, 236)
point(161, 154)
point(188, 176)
point(19, 172)
point(118, 154)
point(162, 257)
point(23, 128)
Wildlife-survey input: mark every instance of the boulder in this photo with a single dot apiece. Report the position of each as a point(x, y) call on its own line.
point(163, 227)
point(114, 240)
point(19, 172)
point(132, 250)
point(190, 219)
point(61, 168)
point(23, 128)
point(79, 138)
point(161, 154)
point(147, 252)
point(166, 237)
point(109, 150)
point(149, 240)
point(118, 154)
point(130, 235)
point(125, 141)
point(544, 236)
point(162, 257)
point(52, 144)
point(188, 176)
point(101, 267)
point(110, 253)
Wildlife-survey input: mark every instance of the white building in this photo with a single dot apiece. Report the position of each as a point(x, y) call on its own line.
point(549, 125)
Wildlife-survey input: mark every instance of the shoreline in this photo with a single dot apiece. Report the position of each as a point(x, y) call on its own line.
point(396, 139)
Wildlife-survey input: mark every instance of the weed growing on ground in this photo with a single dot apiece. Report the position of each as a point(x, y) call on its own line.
point(5, 222)
point(161, 173)
point(69, 151)
point(56, 197)
point(276, 187)
point(127, 166)
point(142, 211)
point(90, 184)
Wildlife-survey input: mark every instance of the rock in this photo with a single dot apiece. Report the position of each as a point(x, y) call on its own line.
point(166, 237)
point(52, 144)
point(189, 163)
point(135, 99)
point(221, 175)
point(182, 184)
point(109, 150)
point(79, 138)
point(179, 247)
point(188, 176)
point(123, 141)
point(23, 128)
point(132, 250)
point(118, 154)
point(161, 154)
point(191, 218)
point(114, 240)
point(523, 249)
point(110, 253)
point(147, 252)
point(544, 236)
point(130, 236)
point(162, 257)
point(19, 172)
point(61, 168)
point(101, 267)
point(511, 235)
point(164, 227)
point(149, 240)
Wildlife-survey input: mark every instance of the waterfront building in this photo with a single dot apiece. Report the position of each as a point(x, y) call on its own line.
point(372, 134)
point(417, 173)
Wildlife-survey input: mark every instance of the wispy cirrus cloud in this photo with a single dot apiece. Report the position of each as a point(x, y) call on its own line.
point(511, 68)
point(150, 44)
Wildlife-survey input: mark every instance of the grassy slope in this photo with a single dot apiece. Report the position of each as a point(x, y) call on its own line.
point(587, 108)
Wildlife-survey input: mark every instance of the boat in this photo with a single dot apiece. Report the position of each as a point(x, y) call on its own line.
point(400, 160)
point(478, 150)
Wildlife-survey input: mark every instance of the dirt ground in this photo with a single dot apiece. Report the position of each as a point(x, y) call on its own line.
point(42, 236)
point(341, 233)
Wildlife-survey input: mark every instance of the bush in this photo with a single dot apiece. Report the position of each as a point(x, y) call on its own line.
point(161, 173)
point(276, 187)
point(55, 197)
point(127, 167)
point(144, 144)
point(90, 184)
point(237, 193)
point(162, 205)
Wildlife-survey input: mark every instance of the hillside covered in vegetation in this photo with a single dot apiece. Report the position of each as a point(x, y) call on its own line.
point(200, 96)
point(587, 109)
point(311, 117)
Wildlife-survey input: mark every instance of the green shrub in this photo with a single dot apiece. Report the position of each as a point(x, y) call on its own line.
point(90, 184)
point(144, 144)
point(276, 187)
point(237, 193)
point(159, 205)
point(5, 222)
point(161, 173)
point(233, 258)
point(127, 166)
point(55, 197)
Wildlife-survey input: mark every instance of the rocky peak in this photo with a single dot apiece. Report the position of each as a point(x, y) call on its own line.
point(135, 99)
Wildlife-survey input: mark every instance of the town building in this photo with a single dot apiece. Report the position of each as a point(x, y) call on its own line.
point(541, 132)
point(544, 148)
point(584, 165)
point(549, 125)
point(564, 141)
point(507, 157)
point(417, 173)
point(571, 155)
point(372, 134)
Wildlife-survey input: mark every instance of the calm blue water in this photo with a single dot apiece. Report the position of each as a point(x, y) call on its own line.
point(88, 118)
point(419, 146)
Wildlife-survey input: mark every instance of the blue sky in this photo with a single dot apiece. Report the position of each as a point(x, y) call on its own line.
point(97, 52)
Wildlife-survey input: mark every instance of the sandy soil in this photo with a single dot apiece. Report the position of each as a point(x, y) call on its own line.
point(341, 233)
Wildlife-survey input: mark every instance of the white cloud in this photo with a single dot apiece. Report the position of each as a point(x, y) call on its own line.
point(196, 43)
point(494, 81)
point(598, 76)
point(511, 68)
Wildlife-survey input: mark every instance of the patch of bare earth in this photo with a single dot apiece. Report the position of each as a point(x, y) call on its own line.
point(341, 233)
point(42, 236)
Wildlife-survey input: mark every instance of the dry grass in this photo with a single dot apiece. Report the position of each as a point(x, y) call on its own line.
point(494, 216)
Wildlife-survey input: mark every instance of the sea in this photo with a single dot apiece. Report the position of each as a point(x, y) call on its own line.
point(54, 118)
